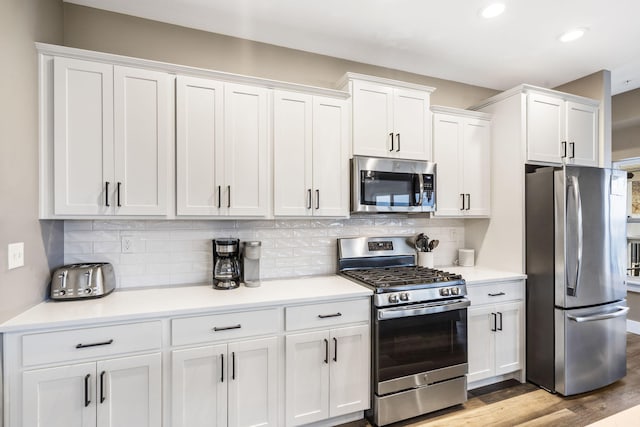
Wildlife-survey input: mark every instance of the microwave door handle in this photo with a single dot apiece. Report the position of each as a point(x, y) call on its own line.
point(420, 189)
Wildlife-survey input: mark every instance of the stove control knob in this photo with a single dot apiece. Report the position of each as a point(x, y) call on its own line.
point(455, 291)
point(404, 296)
point(444, 292)
point(393, 298)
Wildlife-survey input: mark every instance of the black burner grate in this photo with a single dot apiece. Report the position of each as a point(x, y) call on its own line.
point(400, 276)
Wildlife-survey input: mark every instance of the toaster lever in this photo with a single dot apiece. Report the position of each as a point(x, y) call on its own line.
point(63, 276)
point(89, 275)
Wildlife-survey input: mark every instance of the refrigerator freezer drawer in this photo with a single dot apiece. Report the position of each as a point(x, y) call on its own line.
point(590, 347)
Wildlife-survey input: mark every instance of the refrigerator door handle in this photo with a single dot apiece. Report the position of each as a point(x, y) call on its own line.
point(621, 311)
point(575, 186)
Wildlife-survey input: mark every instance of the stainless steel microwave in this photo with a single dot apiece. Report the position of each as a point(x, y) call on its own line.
point(390, 185)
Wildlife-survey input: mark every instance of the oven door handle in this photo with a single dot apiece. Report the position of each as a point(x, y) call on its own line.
point(419, 310)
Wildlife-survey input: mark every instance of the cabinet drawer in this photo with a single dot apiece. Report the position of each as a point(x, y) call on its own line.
point(90, 343)
point(226, 326)
point(327, 314)
point(495, 292)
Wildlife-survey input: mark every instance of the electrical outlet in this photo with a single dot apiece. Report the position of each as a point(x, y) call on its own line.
point(453, 234)
point(15, 253)
point(132, 244)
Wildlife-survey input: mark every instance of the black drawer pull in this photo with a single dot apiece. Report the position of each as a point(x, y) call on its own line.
point(226, 328)
point(96, 344)
point(326, 351)
point(325, 316)
point(499, 294)
point(87, 401)
point(102, 398)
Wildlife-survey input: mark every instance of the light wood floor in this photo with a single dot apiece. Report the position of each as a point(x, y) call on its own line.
point(511, 404)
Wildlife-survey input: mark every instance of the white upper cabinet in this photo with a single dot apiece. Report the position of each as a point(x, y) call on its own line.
point(561, 131)
point(390, 118)
point(222, 148)
point(112, 137)
point(310, 139)
point(462, 149)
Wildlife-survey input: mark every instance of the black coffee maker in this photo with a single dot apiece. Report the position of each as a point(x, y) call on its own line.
point(226, 263)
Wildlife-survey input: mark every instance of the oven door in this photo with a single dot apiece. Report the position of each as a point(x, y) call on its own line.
point(384, 185)
point(419, 344)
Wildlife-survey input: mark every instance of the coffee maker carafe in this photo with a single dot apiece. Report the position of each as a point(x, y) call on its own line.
point(226, 263)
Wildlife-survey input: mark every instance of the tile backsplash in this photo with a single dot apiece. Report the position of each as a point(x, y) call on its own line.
point(164, 253)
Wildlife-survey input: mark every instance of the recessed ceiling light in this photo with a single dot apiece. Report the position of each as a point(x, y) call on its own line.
point(492, 10)
point(572, 35)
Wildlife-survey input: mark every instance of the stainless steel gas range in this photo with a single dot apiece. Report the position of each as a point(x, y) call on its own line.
point(419, 328)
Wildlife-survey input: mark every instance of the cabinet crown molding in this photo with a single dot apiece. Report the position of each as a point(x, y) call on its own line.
point(384, 81)
point(526, 88)
point(113, 59)
point(460, 112)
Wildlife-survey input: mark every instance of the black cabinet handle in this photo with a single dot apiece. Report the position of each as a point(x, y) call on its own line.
point(468, 201)
point(317, 199)
point(462, 196)
point(564, 149)
point(219, 197)
point(335, 349)
point(398, 137)
point(102, 398)
point(106, 193)
point(96, 344)
point(118, 194)
point(228, 196)
point(493, 329)
point(309, 199)
point(86, 390)
point(326, 316)
point(222, 368)
point(391, 135)
point(500, 327)
point(499, 294)
point(326, 351)
point(233, 365)
point(572, 145)
point(226, 328)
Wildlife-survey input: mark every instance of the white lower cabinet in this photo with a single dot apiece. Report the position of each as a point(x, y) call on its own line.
point(327, 374)
point(123, 392)
point(231, 384)
point(495, 333)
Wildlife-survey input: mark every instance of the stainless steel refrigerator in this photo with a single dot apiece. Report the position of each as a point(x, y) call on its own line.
point(575, 262)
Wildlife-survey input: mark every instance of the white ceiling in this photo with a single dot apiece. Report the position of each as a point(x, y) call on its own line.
point(440, 38)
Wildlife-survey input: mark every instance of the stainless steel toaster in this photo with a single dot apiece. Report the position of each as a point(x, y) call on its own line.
point(87, 280)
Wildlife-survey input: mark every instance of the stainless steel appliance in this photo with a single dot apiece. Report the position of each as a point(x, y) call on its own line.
point(81, 281)
point(390, 185)
point(226, 263)
point(576, 251)
point(419, 328)
point(251, 264)
point(634, 258)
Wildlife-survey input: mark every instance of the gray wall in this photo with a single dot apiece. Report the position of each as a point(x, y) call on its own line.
point(23, 22)
point(103, 31)
point(626, 125)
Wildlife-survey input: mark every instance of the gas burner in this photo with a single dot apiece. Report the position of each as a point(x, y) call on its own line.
point(413, 277)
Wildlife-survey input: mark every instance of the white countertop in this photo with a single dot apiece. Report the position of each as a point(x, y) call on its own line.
point(131, 305)
point(478, 275)
point(633, 283)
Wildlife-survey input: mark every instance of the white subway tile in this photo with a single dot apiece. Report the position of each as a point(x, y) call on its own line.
point(106, 247)
point(91, 236)
point(78, 247)
point(77, 225)
point(118, 225)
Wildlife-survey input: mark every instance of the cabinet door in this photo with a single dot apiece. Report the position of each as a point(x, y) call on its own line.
point(253, 387)
point(59, 397)
point(509, 337)
point(545, 128)
point(349, 372)
point(307, 377)
point(582, 134)
point(199, 144)
point(412, 125)
point(129, 391)
point(481, 342)
point(199, 387)
point(292, 156)
point(476, 167)
point(143, 120)
point(83, 137)
point(447, 139)
point(330, 157)
point(246, 140)
point(372, 119)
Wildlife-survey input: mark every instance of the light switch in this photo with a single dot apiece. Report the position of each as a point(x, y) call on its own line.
point(16, 255)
